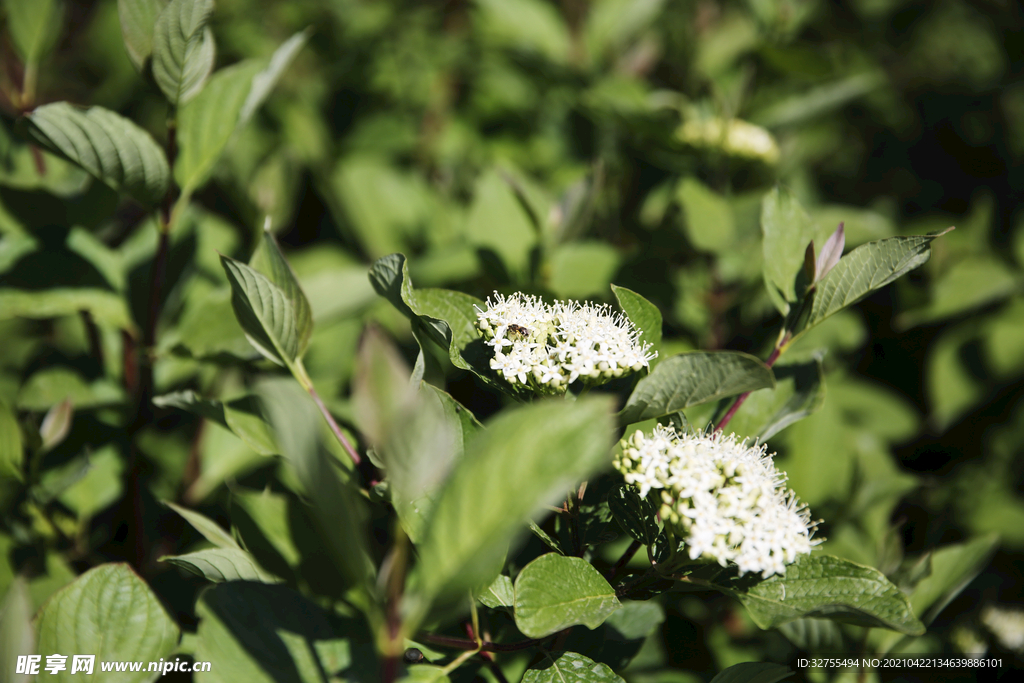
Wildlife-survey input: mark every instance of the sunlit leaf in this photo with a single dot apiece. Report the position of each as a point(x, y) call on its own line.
point(555, 592)
point(105, 144)
point(183, 49)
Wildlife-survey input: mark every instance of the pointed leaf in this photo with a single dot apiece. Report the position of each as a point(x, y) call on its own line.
point(34, 26)
point(569, 667)
point(106, 307)
point(138, 17)
point(207, 123)
point(210, 530)
point(787, 230)
point(501, 593)
point(555, 592)
point(865, 269)
point(337, 508)
point(264, 312)
point(111, 613)
point(183, 49)
point(832, 588)
point(270, 262)
point(637, 516)
point(546, 447)
point(953, 567)
point(690, 379)
point(105, 144)
point(241, 415)
point(641, 313)
point(222, 564)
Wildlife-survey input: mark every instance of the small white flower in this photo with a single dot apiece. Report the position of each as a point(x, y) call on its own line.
point(548, 347)
point(725, 499)
point(1006, 624)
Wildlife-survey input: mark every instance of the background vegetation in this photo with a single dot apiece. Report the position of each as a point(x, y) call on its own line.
point(550, 147)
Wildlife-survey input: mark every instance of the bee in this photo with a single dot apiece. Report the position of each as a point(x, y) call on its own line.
point(517, 332)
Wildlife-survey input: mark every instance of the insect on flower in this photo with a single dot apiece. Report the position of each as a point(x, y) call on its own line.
point(517, 332)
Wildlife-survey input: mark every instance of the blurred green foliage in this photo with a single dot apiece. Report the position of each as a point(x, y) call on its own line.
point(548, 147)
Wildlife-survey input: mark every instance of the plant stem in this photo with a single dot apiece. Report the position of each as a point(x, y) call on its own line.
point(624, 560)
point(338, 434)
point(484, 645)
point(776, 352)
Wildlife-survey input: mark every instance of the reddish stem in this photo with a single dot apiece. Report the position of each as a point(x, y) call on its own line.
point(776, 352)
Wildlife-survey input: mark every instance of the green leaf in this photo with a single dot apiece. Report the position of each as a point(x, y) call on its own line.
point(183, 49)
point(270, 262)
point(50, 386)
point(105, 144)
point(710, 225)
point(501, 593)
point(815, 635)
point(787, 230)
point(425, 673)
point(448, 318)
point(865, 269)
point(208, 121)
point(799, 392)
point(34, 26)
point(526, 25)
point(338, 510)
point(690, 379)
point(611, 24)
point(555, 592)
point(753, 672)
point(637, 516)
point(105, 307)
point(498, 222)
point(953, 567)
point(17, 637)
point(570, 667)
point(832, 588)
point(222, 564)
point(642, 313)
point(138, 17)
point(111, 613)
point(210, 530)
point(582, 270)
point(241, 415)
point(969, 284)
point(100, 486)
point(12, 454)
point(263, 633)
point(266, 314)
point(550, 446)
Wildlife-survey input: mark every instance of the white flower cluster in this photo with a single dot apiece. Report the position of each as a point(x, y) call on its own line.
point(1006, 624)
point(548, 347)
point(733, 136)
point(725, 499)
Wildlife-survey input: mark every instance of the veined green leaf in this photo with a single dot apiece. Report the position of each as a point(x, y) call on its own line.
point(693, 378)
point(210, 530)
point(111, 613)
point(138, 17)
point(269, 261)
point(550, 446)
point(641, 313)
point(183, 49)
point(105, 144)
point(570, 667)
point(865, 269)
point(222, 564)
point(265, 313)
point(207, 123)
point(799, 392)
point(555, 592)
point(832, 588)
point(787, 230)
